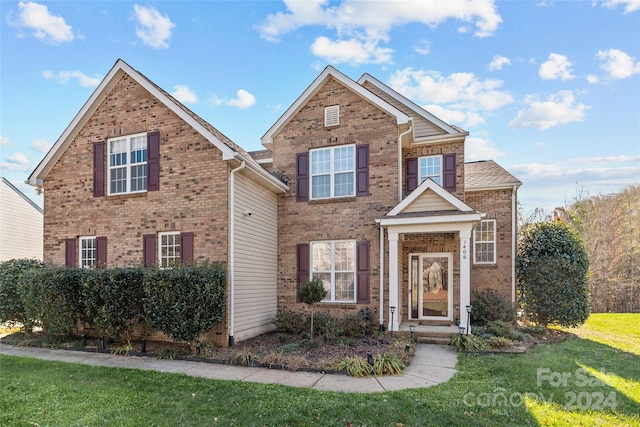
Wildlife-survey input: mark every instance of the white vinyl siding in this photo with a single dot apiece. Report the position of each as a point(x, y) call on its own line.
point(21, 225)
point(484, 242)
point(429, 202)
point(256, 258)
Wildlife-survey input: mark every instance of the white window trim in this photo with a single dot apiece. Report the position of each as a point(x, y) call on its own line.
point(332, 116)
point(422, 178)
point(160, 235)
point(494, 242)
point(129, 165)
point(82, 239)
point(331, 297)
point(332, 172)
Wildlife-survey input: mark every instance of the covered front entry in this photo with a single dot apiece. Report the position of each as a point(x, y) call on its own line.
point(428, 236)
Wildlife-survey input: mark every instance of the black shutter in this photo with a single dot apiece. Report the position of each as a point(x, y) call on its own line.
point(302, 177)
point(449, 172)
point(362, 170)
point(70, 253)
point(101, 252)
point(153, 161)
point(362, 261)
point(149, 250)
point(186, 248)
point(302, 265)
point(411, 174)
point(98, 169)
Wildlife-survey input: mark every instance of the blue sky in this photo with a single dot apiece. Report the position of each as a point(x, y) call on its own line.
point(550, 90)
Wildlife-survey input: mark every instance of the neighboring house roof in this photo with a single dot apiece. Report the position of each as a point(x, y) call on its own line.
point(229, 149)
point(487, 175)
point(330, 72)
point(262, 156)
point(21, 194)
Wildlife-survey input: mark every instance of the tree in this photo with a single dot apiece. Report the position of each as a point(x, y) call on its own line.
point(311, 293)
point(552, 274)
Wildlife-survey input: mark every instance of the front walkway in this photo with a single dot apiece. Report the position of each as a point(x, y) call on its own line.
point(433, 364)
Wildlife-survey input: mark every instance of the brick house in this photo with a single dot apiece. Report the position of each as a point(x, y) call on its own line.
point(358, 186)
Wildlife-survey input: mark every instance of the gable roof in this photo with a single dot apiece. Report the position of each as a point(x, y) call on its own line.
point(228, 148)
point(487, 175)
point(430, 185)
point(21, 194)
point(329, 71)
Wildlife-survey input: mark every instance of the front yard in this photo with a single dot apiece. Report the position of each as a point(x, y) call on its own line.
point(589, 379)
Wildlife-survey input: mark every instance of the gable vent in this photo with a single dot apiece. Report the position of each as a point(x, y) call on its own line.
point(332, 115)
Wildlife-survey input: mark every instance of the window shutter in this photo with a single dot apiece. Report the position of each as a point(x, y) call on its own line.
point(186, 248)
point(101, 252)
point(449, 172)
point(153, 161)
point(98, 168)
point(362, 260)
point(302, 177)
point(70, 253)
point(411, 174)
point(362, 170)
point(302, 264)
point(149, 250)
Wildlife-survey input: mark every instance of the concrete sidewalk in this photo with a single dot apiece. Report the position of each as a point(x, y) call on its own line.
point(433, 364)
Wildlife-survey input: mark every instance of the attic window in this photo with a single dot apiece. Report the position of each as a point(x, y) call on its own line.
point(332, 115)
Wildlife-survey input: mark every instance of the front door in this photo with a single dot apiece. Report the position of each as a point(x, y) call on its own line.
point(431, 286)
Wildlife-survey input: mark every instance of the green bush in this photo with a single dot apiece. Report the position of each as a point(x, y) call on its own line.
point(354, 366)
point(462, 342)
point(11, 307)
point(52, 298)
point(499, 342)
point(489, 305)
point(387, 364)
point(354, 325)
point(289, 321)
point(327, 326)
point(185, 302)
point(114, 299)
point(500, 329)
point(312, 293)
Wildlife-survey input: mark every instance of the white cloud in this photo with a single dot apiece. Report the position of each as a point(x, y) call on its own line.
point(18, 159)
point(460, 90)
point(556, 67)
point(466, 119)
point(184, 94)
point(558, 109)
point(618, 64)
point(4, 141)
point(63, 77)
point(362, 26)
point(155, 29)
point(423, 47)
point(606, 159)
point(352, 51)
point(481, 149)
point(629, 5)
point(40, 145)
point(591, 79)
point(243, 100)
point(498, 62)
point(47, 27)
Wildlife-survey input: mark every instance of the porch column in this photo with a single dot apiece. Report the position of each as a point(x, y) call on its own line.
point(393, 281)
point(465, 274)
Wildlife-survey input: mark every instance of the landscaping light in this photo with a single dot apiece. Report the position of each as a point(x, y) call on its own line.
point(461, 329)
point(412, 329)
point(469, 308)
point(393, 310)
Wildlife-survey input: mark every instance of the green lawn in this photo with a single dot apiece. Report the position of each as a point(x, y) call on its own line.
point(591, 380)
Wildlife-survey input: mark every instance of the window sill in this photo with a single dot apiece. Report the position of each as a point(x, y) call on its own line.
point(125, 195)
point(333, 200)
point(492, 265)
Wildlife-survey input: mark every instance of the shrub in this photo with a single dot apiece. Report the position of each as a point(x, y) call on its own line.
point(354, 325)
point(327, 326)
point(387, 364)
point(489, 305)
point(52, 297)
point(185, 302)
point(289, 321)
point(500, 329)
point(354, 366)
point(288, 348)
point(114, 299)
point(11, 307)
point(462, 342)
point(312, 293)
point(499, 342)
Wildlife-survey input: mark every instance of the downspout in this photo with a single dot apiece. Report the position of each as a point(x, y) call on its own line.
point(514, 238)
point(232, 244)
point(381, 309)
point(400, 160)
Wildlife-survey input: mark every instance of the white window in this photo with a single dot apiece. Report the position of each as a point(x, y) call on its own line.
point(333, 262)
point(128, 164)
point(484, 242)
point(88, 255)
point(332, 115)
point(430, 167)
point(169, 249)
point(333, 172)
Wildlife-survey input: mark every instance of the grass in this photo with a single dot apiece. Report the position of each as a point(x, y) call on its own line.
point(43, 393)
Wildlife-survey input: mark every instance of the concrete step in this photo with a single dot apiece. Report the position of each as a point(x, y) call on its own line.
point(434, 340)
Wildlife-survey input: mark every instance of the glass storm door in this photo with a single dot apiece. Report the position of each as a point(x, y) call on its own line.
point(431, 286)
